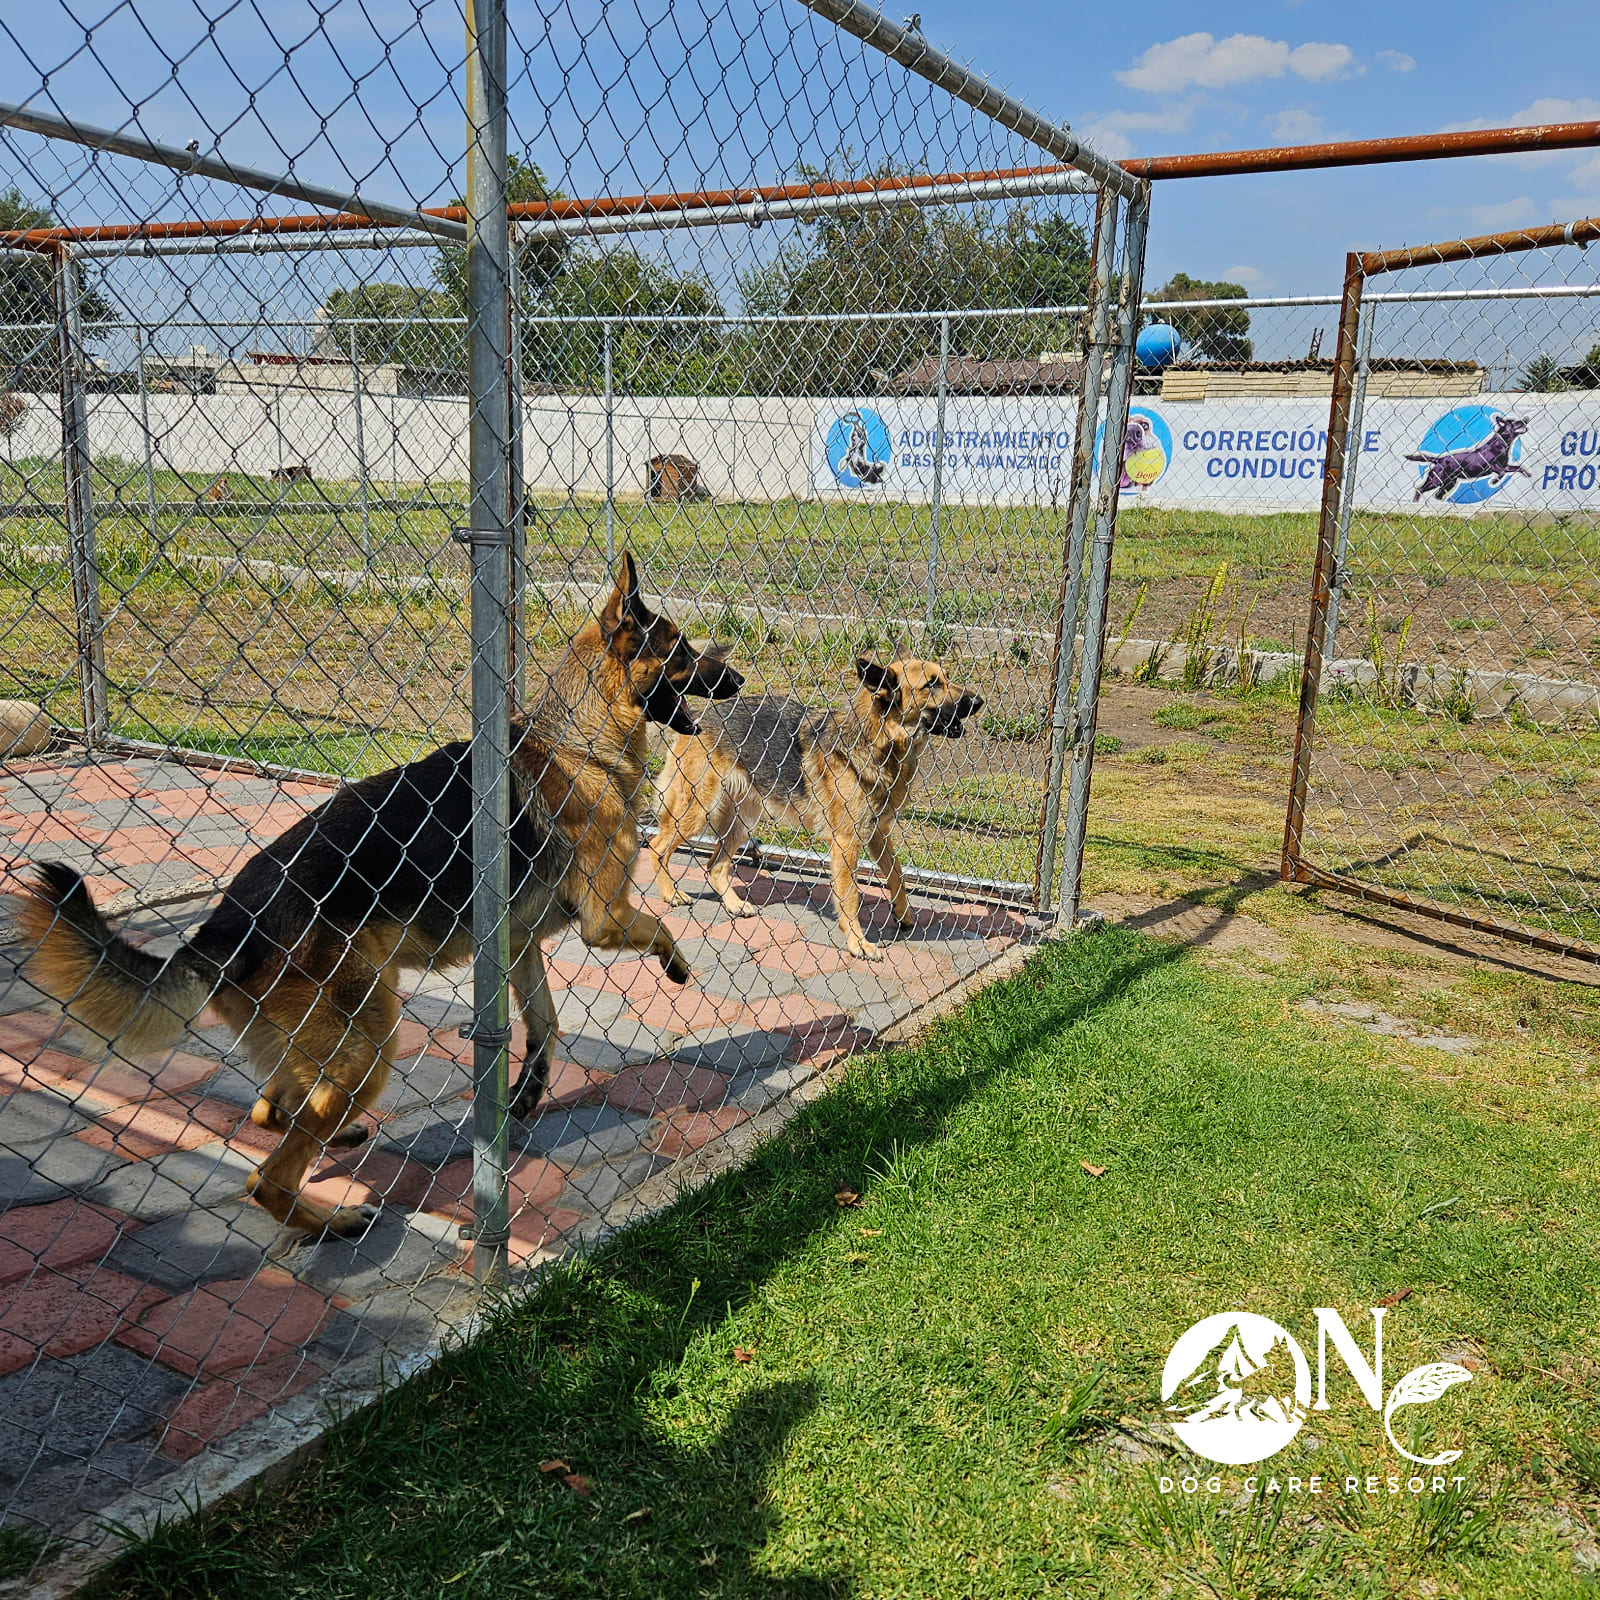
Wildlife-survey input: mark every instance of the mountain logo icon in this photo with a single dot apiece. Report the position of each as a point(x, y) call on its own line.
point(1236, 1388)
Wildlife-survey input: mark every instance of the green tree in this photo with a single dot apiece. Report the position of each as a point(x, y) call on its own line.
point(1543, 376)
point(1215, 333)
point(396, 322)
point(539, 259)
point(908, 259)
point(29, 356)
point(649, 355)
point(422, 327)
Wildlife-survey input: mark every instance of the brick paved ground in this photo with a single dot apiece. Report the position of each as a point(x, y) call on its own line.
point(149, 1313)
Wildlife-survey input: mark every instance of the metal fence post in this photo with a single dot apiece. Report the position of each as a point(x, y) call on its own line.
point(144, 423)
point(1098, 590)
point(938, 469)
point(361, 458)
point(1082, 495)
point(77, 467)
point(489, 530)
point(1347, 498)
point(1351, 312)
point(611, 482)
point(519, 486)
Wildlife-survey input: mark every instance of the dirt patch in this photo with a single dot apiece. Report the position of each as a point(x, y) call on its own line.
point(1205, 927)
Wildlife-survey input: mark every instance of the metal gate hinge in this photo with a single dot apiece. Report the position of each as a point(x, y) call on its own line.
point(470, 1233)
point(484, 1034)
point(489, 536)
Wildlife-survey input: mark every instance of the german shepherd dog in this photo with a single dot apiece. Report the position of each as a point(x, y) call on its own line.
point(842, 775)
point(303, 955)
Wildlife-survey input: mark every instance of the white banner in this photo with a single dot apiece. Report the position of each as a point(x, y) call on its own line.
point(1527, 452)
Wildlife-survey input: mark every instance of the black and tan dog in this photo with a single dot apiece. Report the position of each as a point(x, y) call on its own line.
point(843, 775)
point(303, 956)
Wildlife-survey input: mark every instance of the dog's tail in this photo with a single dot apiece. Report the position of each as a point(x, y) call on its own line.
point(140, 1001)
point(1422, 458)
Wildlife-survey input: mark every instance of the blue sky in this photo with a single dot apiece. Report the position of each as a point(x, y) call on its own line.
point(654, 94)
point(1178, 77)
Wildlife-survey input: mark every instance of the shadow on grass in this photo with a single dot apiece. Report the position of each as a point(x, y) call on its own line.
point(457, 1484)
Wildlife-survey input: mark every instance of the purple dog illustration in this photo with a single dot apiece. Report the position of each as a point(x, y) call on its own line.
point(1490, 459)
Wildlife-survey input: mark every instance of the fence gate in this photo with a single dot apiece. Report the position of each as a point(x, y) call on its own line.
point(1445, 757)
point(299, 485)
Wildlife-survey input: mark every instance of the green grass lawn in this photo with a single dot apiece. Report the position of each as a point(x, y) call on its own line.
point(772, 1394)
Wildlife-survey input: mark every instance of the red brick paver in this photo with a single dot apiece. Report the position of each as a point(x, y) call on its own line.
point(665, 1086)
point(219, 1406)
point(234, 1323)
point(685, 1131)
point(60, 1234)
point(64, 1313)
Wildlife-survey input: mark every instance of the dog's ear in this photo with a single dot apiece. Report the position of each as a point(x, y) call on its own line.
point(884, 682)
point(625, 605)
point(632, 594)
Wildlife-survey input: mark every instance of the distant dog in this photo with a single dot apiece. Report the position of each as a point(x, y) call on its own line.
point(843, 775)
point(1490, 459)
point(295, 472)
point(303, 956)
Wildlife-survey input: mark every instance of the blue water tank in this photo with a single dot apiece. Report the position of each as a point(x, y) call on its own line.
point(1157, 346)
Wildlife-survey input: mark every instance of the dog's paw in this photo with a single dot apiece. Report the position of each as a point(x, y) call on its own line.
point(866, 949)
point(679, 897)
point(350, 1222)
point(737, 906)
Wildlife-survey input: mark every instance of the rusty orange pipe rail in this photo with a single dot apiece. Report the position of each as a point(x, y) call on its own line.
point(1228, 163)
point(1372, 152)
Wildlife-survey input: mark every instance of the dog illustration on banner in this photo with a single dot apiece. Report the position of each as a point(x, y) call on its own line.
point(1143, 457)
point(1146, 448)
point(858, 449)
point(1477, 464)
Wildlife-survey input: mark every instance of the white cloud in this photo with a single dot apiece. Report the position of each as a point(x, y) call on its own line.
point(1551, 109)
point(1585, 177)
point(1111, 132)
point(1584, 173)
point(1204, 61)
point(1547, 109)
point(1296, 126)
point(1396, 60)
point(1319, 63)
point(1491, 218)
point(1250, 277)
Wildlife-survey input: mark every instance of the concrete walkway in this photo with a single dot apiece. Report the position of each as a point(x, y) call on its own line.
point(159, 1333)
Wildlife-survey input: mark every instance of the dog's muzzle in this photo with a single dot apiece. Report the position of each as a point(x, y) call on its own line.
point(713, 680)
point(664, 704)
point(948, 720)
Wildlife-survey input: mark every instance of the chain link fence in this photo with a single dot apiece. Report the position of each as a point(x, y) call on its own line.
point(1445, 751)
point(375, 581)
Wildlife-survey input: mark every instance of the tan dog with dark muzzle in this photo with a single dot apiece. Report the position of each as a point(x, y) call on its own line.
point(842, 775)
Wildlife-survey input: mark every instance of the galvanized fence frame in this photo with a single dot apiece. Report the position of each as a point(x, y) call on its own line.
point(497, 527)
point(1329, 578)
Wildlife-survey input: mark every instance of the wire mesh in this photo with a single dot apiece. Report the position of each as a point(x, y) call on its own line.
point(806, 419)
point(1448, 727)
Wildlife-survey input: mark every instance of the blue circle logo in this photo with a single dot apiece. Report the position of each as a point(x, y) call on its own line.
point(1146, 448)
point(859, 448)
point(1469, 455)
